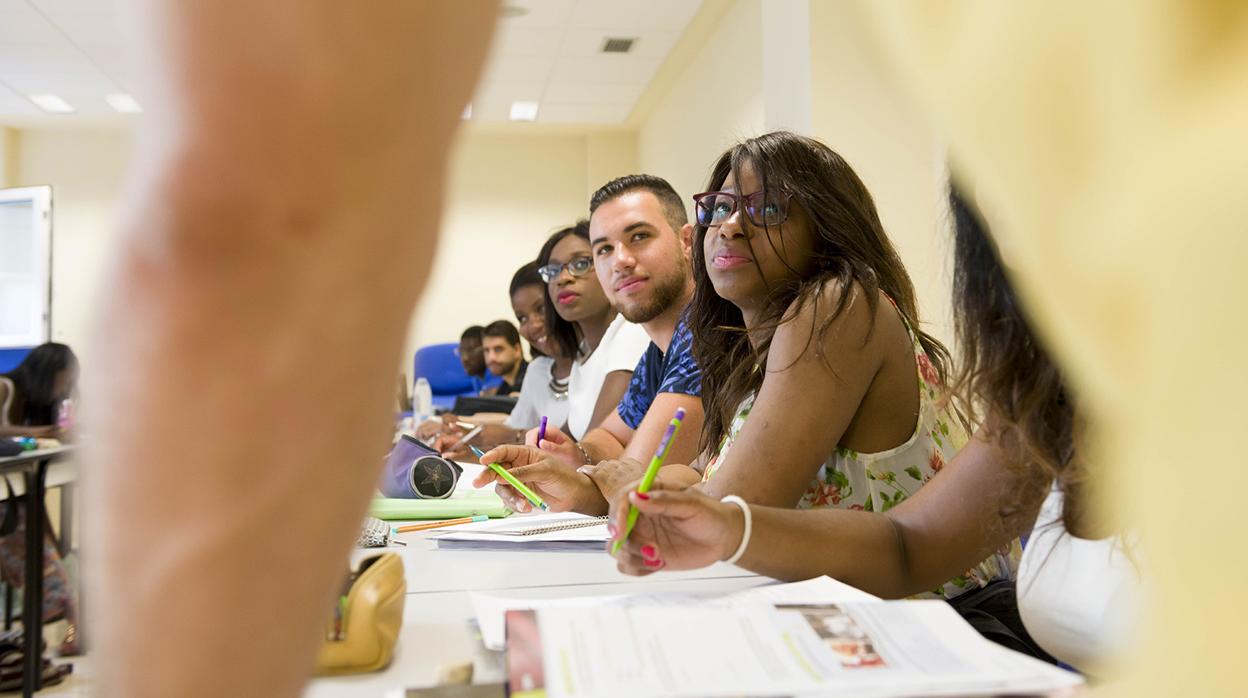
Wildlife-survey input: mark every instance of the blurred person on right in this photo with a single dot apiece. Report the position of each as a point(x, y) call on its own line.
point(1106, 149)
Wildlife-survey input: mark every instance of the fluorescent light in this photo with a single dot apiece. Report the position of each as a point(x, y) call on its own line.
point(467, 112)
point(524, 111)
point(123, 103)
point(51, 104)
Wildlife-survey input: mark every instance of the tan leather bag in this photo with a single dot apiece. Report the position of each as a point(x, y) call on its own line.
point(370, 626)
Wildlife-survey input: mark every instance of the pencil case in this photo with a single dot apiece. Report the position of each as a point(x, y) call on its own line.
point(361, 633)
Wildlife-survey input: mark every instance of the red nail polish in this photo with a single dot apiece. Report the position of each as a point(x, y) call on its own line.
point(648, 552)
point(643, 495)
point(611, 529)
point(653, 563)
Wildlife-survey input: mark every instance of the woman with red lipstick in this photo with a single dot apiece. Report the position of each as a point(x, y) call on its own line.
point(544, 392)
point(582, 324)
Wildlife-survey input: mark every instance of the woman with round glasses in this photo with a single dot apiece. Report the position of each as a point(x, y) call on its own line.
point(581, 323)
point(820, 389)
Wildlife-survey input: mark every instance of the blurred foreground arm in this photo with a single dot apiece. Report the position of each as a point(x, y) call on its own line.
point(281, 219)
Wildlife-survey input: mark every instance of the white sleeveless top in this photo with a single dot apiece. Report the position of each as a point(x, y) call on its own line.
point(1078, 598)
point(537, 400)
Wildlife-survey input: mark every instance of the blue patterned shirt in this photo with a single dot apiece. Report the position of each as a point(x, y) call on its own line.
point(656, 372)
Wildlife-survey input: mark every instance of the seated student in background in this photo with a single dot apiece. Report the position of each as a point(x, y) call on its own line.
point(545, 389)
point(31, 400)
point(1024, 470)
point(504, 357)
point(639, 239)
point(32, 394)
point(580, 322)
point(583, 324)
point(472, 356)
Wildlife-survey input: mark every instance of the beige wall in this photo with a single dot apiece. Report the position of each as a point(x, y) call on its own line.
point(862, 113)
point(84, 168)
point(508, 190)
point(714, 101)
point(8, 157)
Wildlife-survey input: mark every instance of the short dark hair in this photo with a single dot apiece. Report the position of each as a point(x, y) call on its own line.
point(673, 206)
point(525, 276)
point(504, 329)
point(475, 332)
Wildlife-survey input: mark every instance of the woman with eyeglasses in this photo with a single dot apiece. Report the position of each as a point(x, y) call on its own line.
point(581, 323)
point(1079, 581)
point(820, 388)
point(544, 392)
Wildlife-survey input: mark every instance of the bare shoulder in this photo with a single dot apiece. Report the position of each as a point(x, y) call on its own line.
point(834, 320)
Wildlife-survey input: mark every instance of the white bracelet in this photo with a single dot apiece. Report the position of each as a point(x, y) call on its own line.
point(745, 536)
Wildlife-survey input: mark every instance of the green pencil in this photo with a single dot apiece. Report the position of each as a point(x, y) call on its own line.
point(511, 480)
point(660, 454)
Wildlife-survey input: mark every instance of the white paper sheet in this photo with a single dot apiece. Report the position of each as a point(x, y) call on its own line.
point(818, 637)
point(491, 608)
point(518, 533)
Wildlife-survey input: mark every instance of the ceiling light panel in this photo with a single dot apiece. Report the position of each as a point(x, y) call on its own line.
point(523, 111)
point(123, 103)
point(51, 103)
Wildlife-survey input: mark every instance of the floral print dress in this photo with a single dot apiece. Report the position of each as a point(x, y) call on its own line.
point(880, 481)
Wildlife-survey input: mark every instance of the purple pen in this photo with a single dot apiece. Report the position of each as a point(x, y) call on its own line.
point(541, 431)
point(660, 453)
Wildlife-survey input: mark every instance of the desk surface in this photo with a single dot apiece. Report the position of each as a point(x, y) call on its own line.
point(26, 458)
point(436, 630)
point(429, 570)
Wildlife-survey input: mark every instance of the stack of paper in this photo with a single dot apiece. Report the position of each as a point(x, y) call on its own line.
point(806, 639)
point(552, 532)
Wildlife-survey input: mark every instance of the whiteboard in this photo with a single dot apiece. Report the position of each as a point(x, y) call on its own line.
point(25, 266)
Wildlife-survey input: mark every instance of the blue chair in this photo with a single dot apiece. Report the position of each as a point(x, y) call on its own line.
point(439, 364)
point(11, 357)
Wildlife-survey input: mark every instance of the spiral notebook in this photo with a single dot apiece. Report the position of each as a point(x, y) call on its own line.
point(556, 532)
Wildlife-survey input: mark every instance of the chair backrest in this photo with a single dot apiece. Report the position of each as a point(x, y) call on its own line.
point(439, 364)
point(11, 357)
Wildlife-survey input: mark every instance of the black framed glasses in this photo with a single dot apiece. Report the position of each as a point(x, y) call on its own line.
point(763, 208)
point(577, 266)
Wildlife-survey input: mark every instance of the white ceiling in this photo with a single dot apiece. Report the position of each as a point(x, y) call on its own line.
point(550, 54)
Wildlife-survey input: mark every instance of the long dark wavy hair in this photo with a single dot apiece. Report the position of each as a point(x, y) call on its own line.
point(561, 332)
point(1006, 372)
point(34, 380)
point(850, 245)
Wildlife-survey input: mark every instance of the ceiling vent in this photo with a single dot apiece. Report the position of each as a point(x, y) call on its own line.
point(618, 45)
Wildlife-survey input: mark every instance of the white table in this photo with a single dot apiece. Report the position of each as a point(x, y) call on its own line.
point(436, 630)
